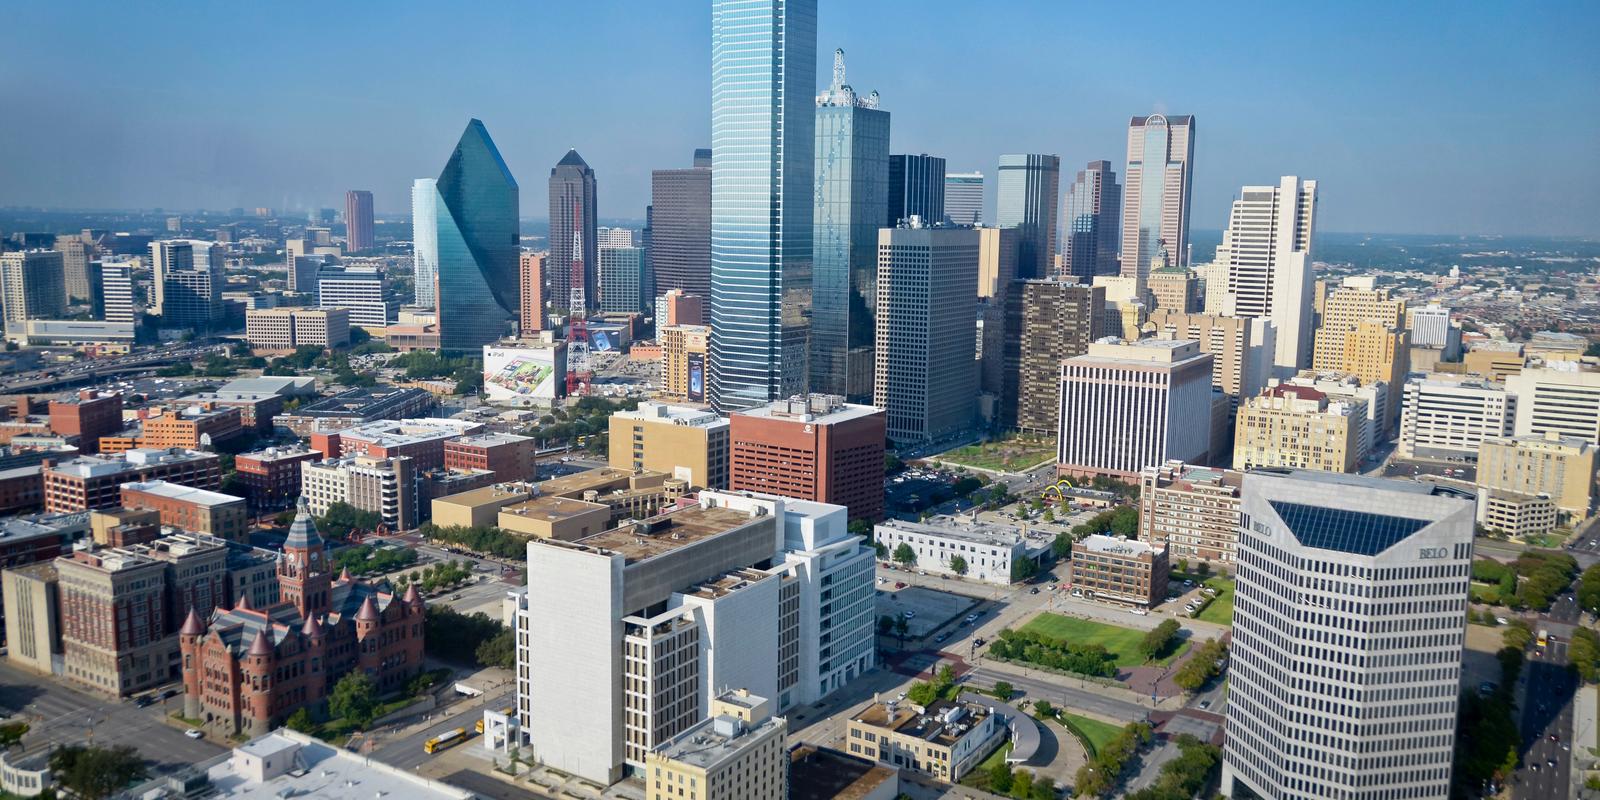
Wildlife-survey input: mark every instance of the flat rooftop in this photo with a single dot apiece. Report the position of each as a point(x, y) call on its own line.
point(692, 416)
point(552, 509)
point(498, 494)
point(935, 724)
point(362, 402)
point(715, 740)
point(1114, 546)
point(396, 432)
point(985, 533)
point(665, 533)
point(15, 529)
point(816, 409)
point(95, 466)
point(186, 494)
point(580, 482)
point(491, 439)
point(323, 773)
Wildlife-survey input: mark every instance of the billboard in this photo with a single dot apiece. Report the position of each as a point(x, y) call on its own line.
point(522, 375)
point(697, 377)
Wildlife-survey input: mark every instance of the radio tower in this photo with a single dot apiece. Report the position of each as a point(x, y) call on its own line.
point(578, 375)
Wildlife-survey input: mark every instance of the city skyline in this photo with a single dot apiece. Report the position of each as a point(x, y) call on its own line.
point(1392, 175)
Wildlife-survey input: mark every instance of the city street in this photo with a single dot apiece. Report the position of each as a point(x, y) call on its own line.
point(1547, 727)
point(405, 750)
point(59, 715)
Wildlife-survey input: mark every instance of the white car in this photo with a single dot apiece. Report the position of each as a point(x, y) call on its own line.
point(194, 733)
point(910, 614)
point(1138, 611)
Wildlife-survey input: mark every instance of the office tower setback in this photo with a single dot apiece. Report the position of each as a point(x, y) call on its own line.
point(621, 273)
point(916, 188)
point(475, 225)
point(853, 190)
point(1130, 405)
point(574, 236)
point(925, 375)
point(425, 241)
point(31, 287)
point(358, 234)
point(1029, 188)
point(1345, 674)
point(1267, 251)
point(814, 447)
point(963, 198)
point(615, 237)
point(530, 277)
point(680, 227)
point(1155, 194)
point(1094, 222)
point(1046, 321)
point(763, 72)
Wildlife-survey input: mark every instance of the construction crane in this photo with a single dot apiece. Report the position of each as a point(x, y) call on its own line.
point(578, 373)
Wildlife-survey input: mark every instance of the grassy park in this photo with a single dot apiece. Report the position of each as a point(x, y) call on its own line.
point(1010, 454)
point(1123, 643)
point(1092, 732)
point(1220, 609)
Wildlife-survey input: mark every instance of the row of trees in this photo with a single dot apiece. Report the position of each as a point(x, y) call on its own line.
point(1002, 779)
point(1542, 575)
point(95, 773)
point(483, 539)
point(1201, 667)
point(364, 559)
point(451, 634)
point(1183, 777)
point(1084, 659)
point(342, 519)
point(1160, 640)
point(1100, 776)
point(923, 693)
point(435, 576)
point(1589, 590)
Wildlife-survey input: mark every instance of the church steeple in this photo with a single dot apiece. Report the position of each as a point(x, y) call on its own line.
point(303, 577)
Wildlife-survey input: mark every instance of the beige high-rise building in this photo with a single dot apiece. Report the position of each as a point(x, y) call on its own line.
point(1174, 290)
point(1345, 309)
point(1048, 321)
point(1191, 511)
point(1374, 352)
point(1494, 360)
point(1561, 467)
point(1299, 428)
point(685, 442)
point(31, 287)
point(684, 358)
point(1128, 405)
point(997, 260)
point(1267, 250)
point(283, 329)
point(1241, 348)
point(739, 753)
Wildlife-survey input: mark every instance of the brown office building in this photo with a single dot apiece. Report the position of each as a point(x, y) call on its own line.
point(191, 509)
point(814, 447)
point(681, 309)
point(90, 482)
point(1120, 570)
point(531, 274)
point(256, 409)
point(1046, 321)
point(88, 416)
point(272, 476)
point(510, 458)
point(192, 426)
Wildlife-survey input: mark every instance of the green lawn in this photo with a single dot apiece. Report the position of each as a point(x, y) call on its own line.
point(1096, 732)
point(1220, 610)
point(1120, 642)
point(978, 777)
point(1006, 455)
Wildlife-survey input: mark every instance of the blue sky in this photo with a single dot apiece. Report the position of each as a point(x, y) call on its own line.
point(1469, 117)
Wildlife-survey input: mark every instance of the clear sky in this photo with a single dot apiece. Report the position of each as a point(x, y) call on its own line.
point(1464, 117)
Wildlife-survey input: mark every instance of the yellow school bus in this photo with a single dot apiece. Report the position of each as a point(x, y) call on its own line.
point(444, 740)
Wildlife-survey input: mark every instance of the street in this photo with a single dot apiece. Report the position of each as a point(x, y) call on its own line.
point(1547, 726)
point(406, 751)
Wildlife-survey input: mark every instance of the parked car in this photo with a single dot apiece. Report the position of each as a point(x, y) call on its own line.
point(169, 693)
point(971, 618)
point(144, 701)
point(194, 733)
point(941, 637)
point(909, 613)
point(899, 584)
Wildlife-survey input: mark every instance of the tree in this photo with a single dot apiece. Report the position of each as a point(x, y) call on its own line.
point(885, 625)
point(301, 721)
point(880, 549)
point(355, 698)
point(1049, 515)
point(1003, 690)
point(1125, 521)
point(1043, 708)
point(1061, 546)
point(1043, 789)
point(1584, 654)
point(958, 565)
point(1158, 640)
point(1517, 634)
point(905, 556)
point(860, 527)
point(1000, 777)
point(1021, 784)
point(11, 734)
point(95, 773)
point(498, 651)
point(900, 627)
point(1022, 569)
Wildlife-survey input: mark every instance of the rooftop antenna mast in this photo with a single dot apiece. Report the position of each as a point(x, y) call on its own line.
point(578, 373)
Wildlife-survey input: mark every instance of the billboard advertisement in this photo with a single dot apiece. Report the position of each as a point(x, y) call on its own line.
point(522, 375)
point(600, 341)
point(697, 377)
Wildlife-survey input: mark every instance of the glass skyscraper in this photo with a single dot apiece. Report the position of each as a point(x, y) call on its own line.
point(852, 195)
point(763, 74)
point(475, 222)
point(1155, 195)
point(1028, 188)
point(573, 232)
point(425, 241)
point(916, 188)
point(1094, 213)
point(963, 197)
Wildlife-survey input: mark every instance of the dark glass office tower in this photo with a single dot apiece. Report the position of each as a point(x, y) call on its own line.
point(572, 209)
point(916, 187)
point(680, 227)
point(475, 219)
point(1094, 220)
point(852, 174)
point(1028, 190)
point(763, 79)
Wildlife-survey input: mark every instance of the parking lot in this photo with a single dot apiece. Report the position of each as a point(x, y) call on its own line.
point(1454, 470)
point(929, 609)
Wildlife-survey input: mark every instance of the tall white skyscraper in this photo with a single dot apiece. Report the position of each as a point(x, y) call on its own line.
point(1267, 252)
point(763, 120)
point(1155, 194)
point(924, 374)
point(425, 240)
point(963, 197)
point(1347, 637)
point(116, 280)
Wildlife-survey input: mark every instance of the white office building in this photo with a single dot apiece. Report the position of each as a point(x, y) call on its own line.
point(116, 286)
point(1348, 626)
point(1430, 326)
point(624, 637)
point(1560, 398)
point(963, 198)
point(988, 550)
point(1130, 405)
point(1448, 417)
point(1267, 251)
point(359, 290)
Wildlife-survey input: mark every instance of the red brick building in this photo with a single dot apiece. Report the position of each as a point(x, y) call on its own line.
point(816, 447)
point(90, 482)
point(246, 670)
point(510, 458)
point(21, 489)
point(256, 409)
point(191, 509)
point(421, 440)
point(192, 426)
point(89, 416)
point(271, 477)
